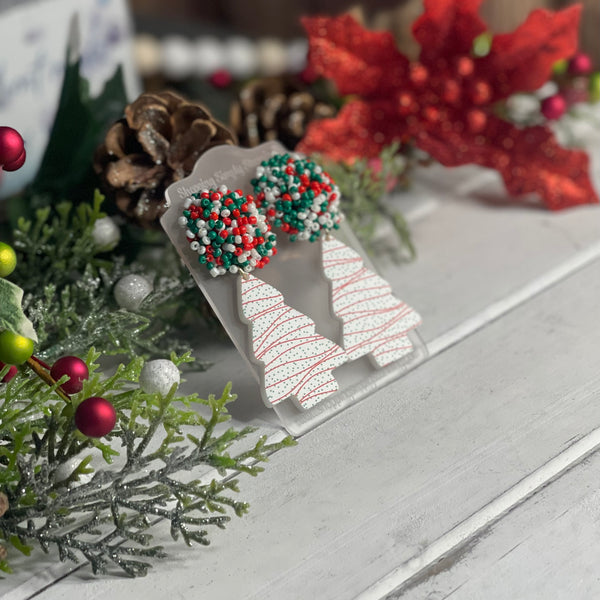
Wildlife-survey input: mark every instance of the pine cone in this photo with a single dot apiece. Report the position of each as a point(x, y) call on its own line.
point(275, 108)
point(157, 143)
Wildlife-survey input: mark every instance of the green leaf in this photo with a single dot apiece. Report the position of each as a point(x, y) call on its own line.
point(11, 313)
point(19, 545)
point(78, 128)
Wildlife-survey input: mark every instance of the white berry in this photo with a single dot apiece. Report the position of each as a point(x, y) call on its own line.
point(106, 233)
point(131, 290)
point(159, 376)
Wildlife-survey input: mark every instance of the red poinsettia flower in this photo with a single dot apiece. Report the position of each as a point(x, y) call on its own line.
point(445, 102)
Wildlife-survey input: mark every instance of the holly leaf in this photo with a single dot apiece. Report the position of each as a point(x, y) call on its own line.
point(11, 313)
point(359, 61)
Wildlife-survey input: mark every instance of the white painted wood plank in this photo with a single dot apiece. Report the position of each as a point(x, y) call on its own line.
point(382, 481)
point(548, 547)
point(472, 255)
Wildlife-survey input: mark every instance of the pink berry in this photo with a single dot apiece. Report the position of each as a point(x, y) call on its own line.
point(11, 145)
point(554, 107)
point(580, 64)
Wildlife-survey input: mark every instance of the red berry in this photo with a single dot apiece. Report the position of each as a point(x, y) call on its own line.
point(481, 93)
point(15, 165)
point(12, 371)
point(580, 64)
point(554, 107)
point(477, 120)
point(465, 66)
point(221, 78)
point(418, 74)
point(451, 91)
point(11, 145)
point(95, 417)
point(75, 369)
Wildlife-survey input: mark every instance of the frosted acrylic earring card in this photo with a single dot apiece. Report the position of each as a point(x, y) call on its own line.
point(284, 306)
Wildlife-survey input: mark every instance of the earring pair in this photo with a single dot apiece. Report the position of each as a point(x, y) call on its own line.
point(233, 234)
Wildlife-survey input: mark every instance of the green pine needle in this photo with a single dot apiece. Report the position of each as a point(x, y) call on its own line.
point(111, 519)
point(68, 285)
point(363, 198)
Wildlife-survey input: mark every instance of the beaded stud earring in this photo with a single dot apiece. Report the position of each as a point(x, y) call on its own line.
point(231, 237)
point(298, 196)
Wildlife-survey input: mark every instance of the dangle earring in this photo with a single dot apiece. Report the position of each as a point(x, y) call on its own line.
point(232, 238)
point(299, 198)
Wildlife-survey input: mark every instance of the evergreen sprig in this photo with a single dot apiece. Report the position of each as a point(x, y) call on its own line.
point(111, 517)
point(68, 284)
point(363, 187)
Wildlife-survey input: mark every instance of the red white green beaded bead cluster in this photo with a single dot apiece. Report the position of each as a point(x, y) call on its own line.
point(298, 196)
point(227, 231)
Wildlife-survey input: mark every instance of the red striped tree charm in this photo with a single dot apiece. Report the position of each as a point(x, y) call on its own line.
point(374, 321)
point(298, 362)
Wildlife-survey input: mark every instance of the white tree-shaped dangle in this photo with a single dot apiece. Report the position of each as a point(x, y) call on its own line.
point(298, 362)
point(374, 321)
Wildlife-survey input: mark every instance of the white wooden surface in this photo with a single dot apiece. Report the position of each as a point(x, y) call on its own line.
point(431, 467)
point(547, 548)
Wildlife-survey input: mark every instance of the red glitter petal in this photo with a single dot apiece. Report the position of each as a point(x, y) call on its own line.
point(447, 29)
point(360, 129)
point(523, 60)
point(529, 160)
point(358, 60)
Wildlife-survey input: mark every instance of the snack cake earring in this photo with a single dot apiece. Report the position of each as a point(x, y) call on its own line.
point(232, 238)
point(302, 200)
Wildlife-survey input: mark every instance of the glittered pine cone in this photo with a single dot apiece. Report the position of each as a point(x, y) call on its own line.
point(157, 143)
point(275, 108)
